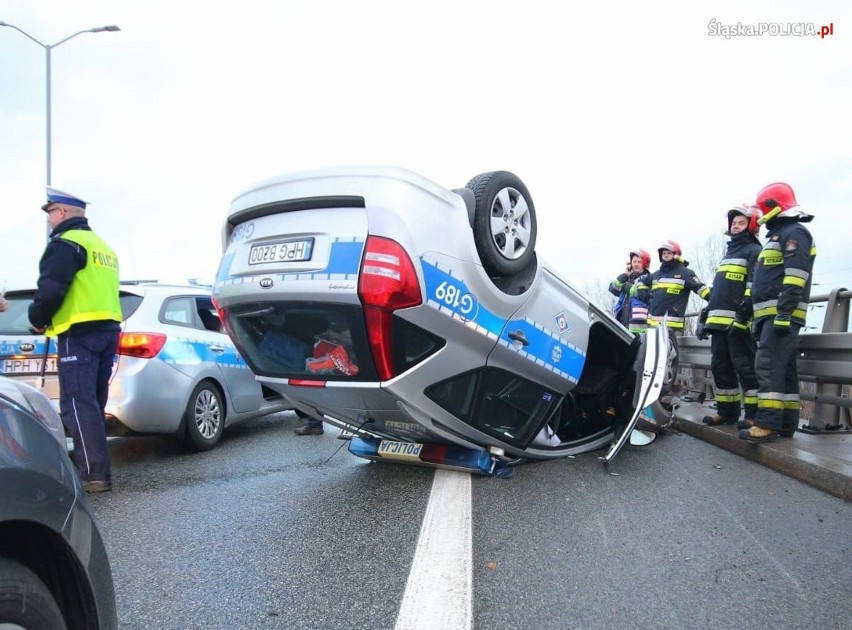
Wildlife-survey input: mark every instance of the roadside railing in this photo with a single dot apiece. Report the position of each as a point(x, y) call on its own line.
point(825, 368)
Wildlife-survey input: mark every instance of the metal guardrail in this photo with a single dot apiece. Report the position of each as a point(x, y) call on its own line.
point(825, 366)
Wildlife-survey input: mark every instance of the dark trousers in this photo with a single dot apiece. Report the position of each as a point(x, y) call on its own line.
point(778, 402)
point(732, 365)
point(85, 367)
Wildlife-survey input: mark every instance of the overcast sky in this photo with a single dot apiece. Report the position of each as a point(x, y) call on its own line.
point(627, 120)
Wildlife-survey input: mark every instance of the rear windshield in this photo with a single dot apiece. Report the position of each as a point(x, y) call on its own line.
point(321, 341)
point(15, 319)
point(303, 340)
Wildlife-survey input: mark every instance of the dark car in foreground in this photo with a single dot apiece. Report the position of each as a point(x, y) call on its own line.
point(54, 569)
point(421, 321)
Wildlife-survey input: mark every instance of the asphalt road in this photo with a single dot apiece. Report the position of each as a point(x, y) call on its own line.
point(271, 530)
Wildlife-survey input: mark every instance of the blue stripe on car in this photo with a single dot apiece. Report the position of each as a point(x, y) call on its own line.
point(545, 348)
point(179, 351)
point(345, 257)
point(451, 296)
point(344, 260)
point(8, 347)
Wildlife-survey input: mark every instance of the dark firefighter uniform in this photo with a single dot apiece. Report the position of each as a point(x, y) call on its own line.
point(77, 302)
point(780, 293)
point(667, 293)
point(732, 344)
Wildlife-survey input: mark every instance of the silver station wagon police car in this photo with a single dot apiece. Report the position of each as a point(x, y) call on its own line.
point(176, 370)
point(420, 320)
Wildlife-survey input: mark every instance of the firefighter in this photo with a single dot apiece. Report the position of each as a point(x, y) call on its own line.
point(729, 314)
point(629, 310)
point(666, 291)
point(780, 292)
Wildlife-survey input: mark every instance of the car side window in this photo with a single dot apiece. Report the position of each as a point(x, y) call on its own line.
point(178, 311)
point(208, 315)
point(496, 402)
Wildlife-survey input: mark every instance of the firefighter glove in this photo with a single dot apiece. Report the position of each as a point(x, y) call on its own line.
point(745, 311)
point(782, 325)
point(701, 329)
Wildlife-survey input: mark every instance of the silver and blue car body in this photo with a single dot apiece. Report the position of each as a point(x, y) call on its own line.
point(176, 371)
point(368, 296)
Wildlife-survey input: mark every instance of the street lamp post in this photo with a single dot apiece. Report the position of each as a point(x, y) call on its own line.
point(47, 48)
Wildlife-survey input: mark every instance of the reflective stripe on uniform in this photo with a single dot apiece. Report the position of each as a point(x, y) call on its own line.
point(796, 277)
point(769, 308)
point(673, 322)
point(770, 400)
point(728, 395)
point(792, 401)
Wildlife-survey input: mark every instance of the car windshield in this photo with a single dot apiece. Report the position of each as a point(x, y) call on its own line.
point(15, 319)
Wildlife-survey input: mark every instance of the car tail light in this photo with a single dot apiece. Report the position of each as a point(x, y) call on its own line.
point(387, 282)
point(222, 313)
point(142, 345)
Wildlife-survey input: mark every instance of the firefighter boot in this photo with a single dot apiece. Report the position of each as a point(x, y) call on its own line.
point(715, 420)
point(758, 435)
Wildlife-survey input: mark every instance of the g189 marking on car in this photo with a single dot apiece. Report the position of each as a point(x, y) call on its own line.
point(453, 324)
point(244, 231)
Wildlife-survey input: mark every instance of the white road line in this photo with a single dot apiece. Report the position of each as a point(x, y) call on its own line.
point(439, 590)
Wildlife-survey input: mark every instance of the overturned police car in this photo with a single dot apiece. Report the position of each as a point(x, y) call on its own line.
point(421, 321)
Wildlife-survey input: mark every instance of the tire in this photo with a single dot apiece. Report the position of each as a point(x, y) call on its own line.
point(504, 223)
point(205, 417)
point(25, 601)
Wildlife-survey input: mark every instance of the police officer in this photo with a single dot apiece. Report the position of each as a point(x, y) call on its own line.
point(780, 292)
point(666, 291)
point(729, 314)
point(76, 301)
point(629, 310)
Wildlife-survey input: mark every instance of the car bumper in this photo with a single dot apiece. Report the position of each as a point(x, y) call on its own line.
point(146, 396)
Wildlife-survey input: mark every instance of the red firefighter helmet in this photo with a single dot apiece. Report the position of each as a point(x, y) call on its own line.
point(750, 212)
point(643, 255)
point(670, 246)
point(776, 195)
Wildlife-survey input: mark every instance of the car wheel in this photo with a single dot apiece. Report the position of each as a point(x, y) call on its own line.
point(25, 601)
point(504, 223)
point(205, 417)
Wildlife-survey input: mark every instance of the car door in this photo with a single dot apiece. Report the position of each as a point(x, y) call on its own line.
point(546, 338)
point(649, 377)
point(540, 352)
point(244, 390)
point(200, 351)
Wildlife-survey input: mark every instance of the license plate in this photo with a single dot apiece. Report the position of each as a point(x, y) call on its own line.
point(28, 365)
point(400, 450)
point(282, 251)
